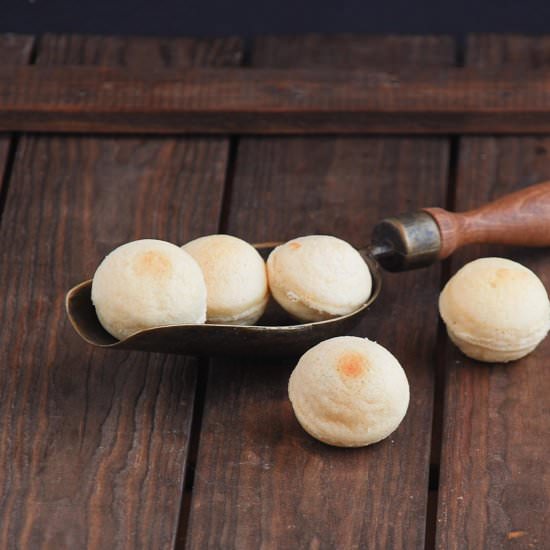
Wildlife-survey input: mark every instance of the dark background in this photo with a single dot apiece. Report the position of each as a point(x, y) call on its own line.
point(249, 17)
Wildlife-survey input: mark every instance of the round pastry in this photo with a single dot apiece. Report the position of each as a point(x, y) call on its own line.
point(318, 277)
point(349, 392)
point(236, 279)
point(495, 310)
point(145, 284)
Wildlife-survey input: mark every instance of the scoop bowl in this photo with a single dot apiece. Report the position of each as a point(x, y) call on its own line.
point(277, 335)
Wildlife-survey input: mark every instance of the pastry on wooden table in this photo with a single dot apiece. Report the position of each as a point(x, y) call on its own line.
point(495, 310)
point(349, 392)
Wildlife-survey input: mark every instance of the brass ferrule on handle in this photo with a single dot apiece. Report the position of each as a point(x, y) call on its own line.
point(406, 242)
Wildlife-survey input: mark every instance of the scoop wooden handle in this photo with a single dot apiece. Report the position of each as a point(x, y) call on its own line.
point(521, 218)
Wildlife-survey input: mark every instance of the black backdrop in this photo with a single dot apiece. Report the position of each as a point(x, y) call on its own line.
point(249, 17)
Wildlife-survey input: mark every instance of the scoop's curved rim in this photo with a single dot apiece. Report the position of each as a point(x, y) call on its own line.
point(85, 287)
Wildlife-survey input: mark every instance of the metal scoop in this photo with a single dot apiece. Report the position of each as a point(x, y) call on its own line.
point(400, 243)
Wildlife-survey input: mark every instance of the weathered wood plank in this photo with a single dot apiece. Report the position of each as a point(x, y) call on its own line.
point(260, 480)
point(272, 100)
point(14, 50)
point(495, 473)
point(93, 445)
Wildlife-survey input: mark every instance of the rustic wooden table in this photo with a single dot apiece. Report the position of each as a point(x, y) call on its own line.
point(131, 450)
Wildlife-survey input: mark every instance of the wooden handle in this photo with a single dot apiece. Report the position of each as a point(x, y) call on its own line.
point(521, 218)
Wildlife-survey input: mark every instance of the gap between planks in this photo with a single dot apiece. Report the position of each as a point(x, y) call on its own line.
point(442, 343)
point(194, 438)
point(203, 370)
point(203, 366)
point(439, 379)
point(12, 141)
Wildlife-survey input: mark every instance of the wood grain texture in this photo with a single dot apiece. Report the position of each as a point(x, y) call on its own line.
point(259, 100)
point(260, 480)
point(495, 475)
point(14, 50)
point(520, 218)
point(93, 444)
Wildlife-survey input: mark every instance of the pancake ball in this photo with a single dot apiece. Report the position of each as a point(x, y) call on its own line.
point(236, 279)
point(349, 392)
point(495, 310)
point(318, 277)
point(145, 284)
